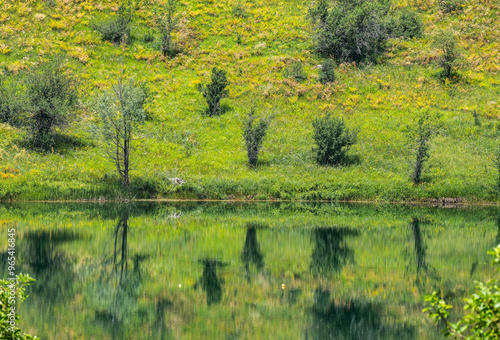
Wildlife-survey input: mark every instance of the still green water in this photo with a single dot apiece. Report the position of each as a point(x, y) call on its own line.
point(243, 271)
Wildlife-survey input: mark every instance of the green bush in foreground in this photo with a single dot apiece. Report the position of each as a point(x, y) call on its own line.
point(333, 139)
point(483, 320)
point(254, 134)
point(9, 317)
point(215, 91)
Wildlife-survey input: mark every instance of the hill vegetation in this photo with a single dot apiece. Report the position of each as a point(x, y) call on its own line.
point(269, 53)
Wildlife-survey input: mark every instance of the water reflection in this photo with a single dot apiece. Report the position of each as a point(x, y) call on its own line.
point(331, 252)
point(209, 282)
point(423, 270)
point(117, 287)
point(251, 253)
point(352, 319)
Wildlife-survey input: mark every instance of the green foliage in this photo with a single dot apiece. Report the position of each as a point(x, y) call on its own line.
point(333, 140)
point(51, 98)
point(122, 113)
point(450, 6)
point(482, 322)
point(327, 72)
point(239, 9)
point(117, 29)
point(254, 133)
point(450, 56)
point(496, 162)
point(418, 137)
point(319, 12)
point(167, 24)
point(354, 30)
point(9, 317)
point(405, 23)
point(10, 103)
point(295, 70)
point(215, 91)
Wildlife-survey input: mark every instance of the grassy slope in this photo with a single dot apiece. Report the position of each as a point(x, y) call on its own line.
point(209, 153)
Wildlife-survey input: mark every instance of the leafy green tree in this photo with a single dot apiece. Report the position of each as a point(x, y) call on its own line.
point(419, 137)
point(482, 322)
point(333, 140)
point(9, 317)
point(405, 23)
point(122, 113)
point(167, 24)
point(51, 98)
point(215, 91)
point(254, 133)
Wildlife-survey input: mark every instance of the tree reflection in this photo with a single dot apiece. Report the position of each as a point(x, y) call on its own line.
point(352, 319)
point(331, 252)
point(117, 287)
point(209, 281)
point(423, 269)
point(251, 253)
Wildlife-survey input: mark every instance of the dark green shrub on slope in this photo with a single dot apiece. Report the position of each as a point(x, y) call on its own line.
point(215, 91)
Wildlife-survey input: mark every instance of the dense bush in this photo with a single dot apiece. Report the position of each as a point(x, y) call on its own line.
point(482, 322)
point(449, 6)
point(450, 56)
point(215, 91)
point(327, 72)
point(333, 140)
point(51, 98)
point(254, 133)
point(9, 318)
point(10, 103)
point(295, 71)
point(405, 23)
point(117, 29)
point(354, 30)
point(239, 9)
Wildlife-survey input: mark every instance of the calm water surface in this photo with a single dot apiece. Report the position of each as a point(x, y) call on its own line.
point(243, 271)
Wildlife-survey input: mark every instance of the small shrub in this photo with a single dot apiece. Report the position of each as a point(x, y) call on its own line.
point(215, 91)
point(419, 137)
point(450, 57)
point(9, 330)
point(405, 23)
point(167, 24)
point(117, 29)
point(333, 140)
point(327, 72)
point(295, 71)
point(254, 133)
point(354, 30)
point(51, 98)
point(239, 9)
point(449, 6)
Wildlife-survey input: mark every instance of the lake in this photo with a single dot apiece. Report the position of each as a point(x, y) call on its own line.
point(187, 270)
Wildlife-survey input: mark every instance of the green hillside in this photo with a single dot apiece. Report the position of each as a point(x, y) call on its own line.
point(255, 47)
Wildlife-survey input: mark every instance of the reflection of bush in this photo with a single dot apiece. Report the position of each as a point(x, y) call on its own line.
point(331, 251)
point(352, 319)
